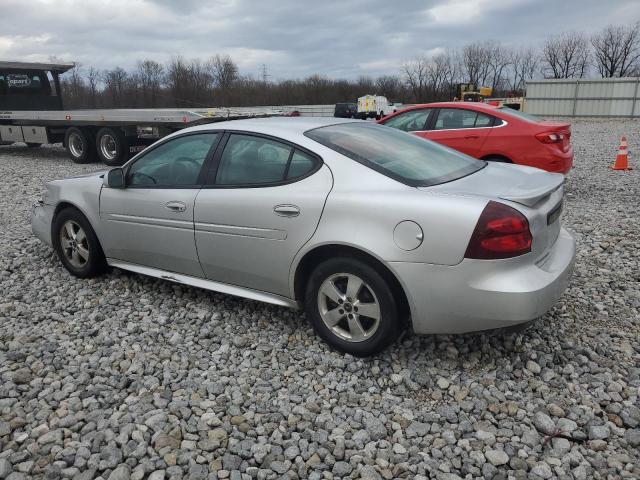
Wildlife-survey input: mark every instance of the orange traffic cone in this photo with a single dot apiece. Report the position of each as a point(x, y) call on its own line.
point(622, 159)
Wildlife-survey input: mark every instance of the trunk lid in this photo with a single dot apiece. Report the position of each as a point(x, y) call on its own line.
point(538, 192)
point(516, 183)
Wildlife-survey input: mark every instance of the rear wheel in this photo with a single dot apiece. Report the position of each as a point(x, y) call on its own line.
point(351, 306)
point(80, 145)
point(113, 148)
point(76, 244)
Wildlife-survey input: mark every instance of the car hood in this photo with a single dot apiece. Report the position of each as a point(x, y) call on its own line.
point(515, 183)
point(91, 174)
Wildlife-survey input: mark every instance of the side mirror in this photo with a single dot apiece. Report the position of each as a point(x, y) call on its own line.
point(114, 178)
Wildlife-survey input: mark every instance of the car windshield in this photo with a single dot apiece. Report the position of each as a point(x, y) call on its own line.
point(518, 114)
point(399, 155)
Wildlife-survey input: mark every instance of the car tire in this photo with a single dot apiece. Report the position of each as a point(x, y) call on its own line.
point(112, 146)
point(80, 145)
point(76, 244)
point(334, 308)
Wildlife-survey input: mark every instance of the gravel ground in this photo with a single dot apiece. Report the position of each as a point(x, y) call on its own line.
point(126, 377)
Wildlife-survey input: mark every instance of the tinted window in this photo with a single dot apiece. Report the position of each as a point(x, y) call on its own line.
point(483, 120)
point(450, 118)
point(399, 155)
point(176, 162)
point(409, 121)
point(250, 160)
point(301, 164)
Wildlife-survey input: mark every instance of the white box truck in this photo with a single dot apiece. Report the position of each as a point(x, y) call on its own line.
point(374, 106)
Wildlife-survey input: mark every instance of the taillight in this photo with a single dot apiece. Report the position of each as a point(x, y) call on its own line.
point(551, 137)
point(501, 232)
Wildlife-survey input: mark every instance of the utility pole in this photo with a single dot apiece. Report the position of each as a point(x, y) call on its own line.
point(265, 75)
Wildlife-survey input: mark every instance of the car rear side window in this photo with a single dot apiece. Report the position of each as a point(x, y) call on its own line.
point(457, 118)
point(174, 163)
point(398, 155)
point(249, 160)
point(411, 121)
point(301, 164)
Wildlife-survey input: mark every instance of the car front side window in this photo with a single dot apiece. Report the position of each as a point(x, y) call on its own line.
point(175, 163)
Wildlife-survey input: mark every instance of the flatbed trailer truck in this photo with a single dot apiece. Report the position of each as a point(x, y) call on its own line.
point(31, 111)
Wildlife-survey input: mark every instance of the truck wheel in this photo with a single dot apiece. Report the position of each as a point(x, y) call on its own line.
point(113, 148)
point(80, 145)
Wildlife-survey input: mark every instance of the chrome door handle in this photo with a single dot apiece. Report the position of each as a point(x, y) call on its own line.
point(176, 206)
point(286, 210)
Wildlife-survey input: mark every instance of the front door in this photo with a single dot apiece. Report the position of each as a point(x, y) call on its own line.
point(150, 221)
point(264, 202)
point(461, 129)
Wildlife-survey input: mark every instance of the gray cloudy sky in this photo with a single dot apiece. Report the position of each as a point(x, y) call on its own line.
point(294, 38)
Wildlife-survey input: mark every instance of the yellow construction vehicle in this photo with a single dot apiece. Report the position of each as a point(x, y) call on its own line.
point(468, 92)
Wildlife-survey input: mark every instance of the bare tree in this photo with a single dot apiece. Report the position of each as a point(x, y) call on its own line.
point(524, 65)
point(115, 86)
point(224, 71)
point(416, 75)
point(476, 63)
point(499, 58)
point(93, 77)
point(617, 50)
point(389, 86)
point(566, 56)
point(150, 75)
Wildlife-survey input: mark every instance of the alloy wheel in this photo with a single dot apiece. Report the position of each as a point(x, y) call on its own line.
point(74, 243)
point(349, 307)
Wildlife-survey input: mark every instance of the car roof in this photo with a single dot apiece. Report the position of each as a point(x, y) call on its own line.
point(284, 127)
point(466, 105)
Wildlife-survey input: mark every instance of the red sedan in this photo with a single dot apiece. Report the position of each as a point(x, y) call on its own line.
point(491, 133)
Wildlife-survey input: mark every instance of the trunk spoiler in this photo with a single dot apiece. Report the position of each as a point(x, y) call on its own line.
point(528, 196)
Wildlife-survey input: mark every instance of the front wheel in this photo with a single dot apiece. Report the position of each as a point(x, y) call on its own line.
point(352, 307)
point(76, 244)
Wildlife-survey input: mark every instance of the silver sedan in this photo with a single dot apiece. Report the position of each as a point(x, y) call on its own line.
point(367, 228)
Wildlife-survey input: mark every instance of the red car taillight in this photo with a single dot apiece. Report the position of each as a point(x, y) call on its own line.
point(551, 137)
point(501, 232)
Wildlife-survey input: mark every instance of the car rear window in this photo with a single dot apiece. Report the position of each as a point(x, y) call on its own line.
point(518, 114)
point(404, 157)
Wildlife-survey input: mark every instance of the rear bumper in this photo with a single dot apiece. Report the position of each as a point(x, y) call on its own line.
point(41, 218)
point(480, 295)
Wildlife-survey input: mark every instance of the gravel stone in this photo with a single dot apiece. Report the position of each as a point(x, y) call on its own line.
point(543, 423)
point(341, 469)
point(496, 457)
point(542, 470)
point(5, 468)
point(109, 376)
point(598, 432)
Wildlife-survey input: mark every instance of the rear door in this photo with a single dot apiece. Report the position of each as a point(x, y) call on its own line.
point(150, 221)
point(262, 204)
point(462, 129)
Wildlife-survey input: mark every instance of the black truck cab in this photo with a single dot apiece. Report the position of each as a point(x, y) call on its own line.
point(30, 86)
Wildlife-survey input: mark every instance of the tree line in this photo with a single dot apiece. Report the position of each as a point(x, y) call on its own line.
point(612, 52)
